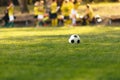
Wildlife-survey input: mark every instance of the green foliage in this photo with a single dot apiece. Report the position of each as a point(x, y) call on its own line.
point(45, 54)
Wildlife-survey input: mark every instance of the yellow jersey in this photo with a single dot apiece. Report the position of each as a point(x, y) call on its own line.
point(76, 5)
point(91, 14)
point(66, 9)
point(36, 10)
point(41, 10)
point(71, 5)
point(53, 7)
point(11, 10)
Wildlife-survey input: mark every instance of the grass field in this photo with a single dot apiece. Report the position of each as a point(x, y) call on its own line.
point(45, 54)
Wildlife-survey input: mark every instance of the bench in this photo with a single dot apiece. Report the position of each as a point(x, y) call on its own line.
point(27, 20)
point(114, 20)
point(24, 20)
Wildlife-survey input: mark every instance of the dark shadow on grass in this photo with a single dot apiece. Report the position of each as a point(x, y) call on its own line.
point(29, 29)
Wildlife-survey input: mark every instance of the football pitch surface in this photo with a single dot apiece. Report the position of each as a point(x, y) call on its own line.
point(45, 53)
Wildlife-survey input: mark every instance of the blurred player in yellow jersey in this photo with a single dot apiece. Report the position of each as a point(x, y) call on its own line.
point(66, 11)
point(71, 4)
point(53, 11)
point(36, 12)
point(41, 13)
point(77, 4)
point(89, 15)
point(10, 9)
point(74, 11)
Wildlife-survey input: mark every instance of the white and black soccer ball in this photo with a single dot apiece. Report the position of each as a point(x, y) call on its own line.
point(74, 39)
point(98, 18)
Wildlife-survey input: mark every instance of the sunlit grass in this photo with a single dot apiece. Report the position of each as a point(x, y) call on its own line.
point(102, 9)
point(45, 54)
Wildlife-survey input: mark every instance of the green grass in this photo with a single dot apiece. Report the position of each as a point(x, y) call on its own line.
point(45, 54)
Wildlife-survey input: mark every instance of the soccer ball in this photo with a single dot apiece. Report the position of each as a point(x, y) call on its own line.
point(74, 39)
point(98, 18)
